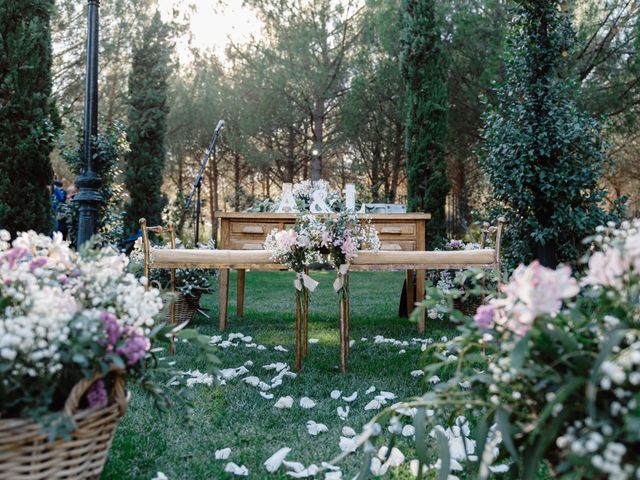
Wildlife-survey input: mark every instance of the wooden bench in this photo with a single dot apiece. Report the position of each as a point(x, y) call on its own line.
point(488, 258)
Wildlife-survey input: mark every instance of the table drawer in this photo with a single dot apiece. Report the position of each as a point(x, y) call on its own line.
point(247, 243)
point(384, 229)
point(251, 228)
point(398, 245)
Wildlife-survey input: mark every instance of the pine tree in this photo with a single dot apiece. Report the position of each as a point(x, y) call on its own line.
point(424, 71)
point(543, 157)
point(28, 118)
point(147, 116)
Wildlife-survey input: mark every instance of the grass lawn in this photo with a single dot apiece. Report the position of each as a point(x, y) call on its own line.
point(236, 416)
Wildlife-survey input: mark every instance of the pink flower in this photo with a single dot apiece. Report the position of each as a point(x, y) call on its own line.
point(113, 329)
point(13, 255)
point(606, 268)
point(135, 346)
point(533, 291)
point(349, 248)
point(37, 263)
point(484, 316)
point(285, 239)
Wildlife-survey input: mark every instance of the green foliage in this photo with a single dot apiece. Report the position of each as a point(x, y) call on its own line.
point(424, 70)
point(147, 115)
point(543, 157)
point(28, 118)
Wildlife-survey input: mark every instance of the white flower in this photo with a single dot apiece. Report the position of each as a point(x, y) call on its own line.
point(273, 463)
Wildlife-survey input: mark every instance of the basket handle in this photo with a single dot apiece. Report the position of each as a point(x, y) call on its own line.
point(80, 388)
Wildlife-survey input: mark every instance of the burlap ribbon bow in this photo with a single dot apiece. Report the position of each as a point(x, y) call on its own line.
point(304, 279)
point(339, 281)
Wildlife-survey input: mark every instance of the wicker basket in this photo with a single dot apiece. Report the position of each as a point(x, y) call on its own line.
point(25, 453)
point(183, 308)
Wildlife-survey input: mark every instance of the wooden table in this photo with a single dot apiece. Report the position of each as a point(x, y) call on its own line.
point(247, 231)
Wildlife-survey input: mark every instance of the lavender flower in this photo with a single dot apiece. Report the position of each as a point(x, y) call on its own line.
point(135, 346)
point(484, 316)
point(112, 328)
point(97, 396)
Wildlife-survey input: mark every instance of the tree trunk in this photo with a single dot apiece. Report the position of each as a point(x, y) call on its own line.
point(316, 162)
point(236, 181)
point(375, 173)
point(397, 162)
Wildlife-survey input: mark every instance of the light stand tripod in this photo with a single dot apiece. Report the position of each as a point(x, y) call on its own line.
point(197, 184)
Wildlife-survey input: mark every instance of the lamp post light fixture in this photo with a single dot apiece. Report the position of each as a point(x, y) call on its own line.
point(88, 182)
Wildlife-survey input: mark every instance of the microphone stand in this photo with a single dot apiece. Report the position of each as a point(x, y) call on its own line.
point(197, 184)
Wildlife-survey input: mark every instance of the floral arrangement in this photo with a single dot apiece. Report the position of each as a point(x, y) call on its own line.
point(66, 316)
point(336, 238)
point(303, 195)
point(549, 369)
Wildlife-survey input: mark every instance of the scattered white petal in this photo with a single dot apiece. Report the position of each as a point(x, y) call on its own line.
point(348, 431)
point(414, 465)
point(378, 468)
point(268, 396)
point(381, 399)
point(226, 344)
point(253, 381)
point(352, 343)
point(275, 366)
point(197, 377)
point(316, 428)
point(261, 347)
point(348, 444)
point(373, 405)
point(333, 475)
point(335, 394)
point(307, 403)
point(400, 352)
point(215, 339)
point(284, 402)
point(264, 386)
point(295, 466)
point(396, 457)
point(466, 384)
point(160, 476)
point(276, 382)
point(248, 363)
point(363, 339)
point(234, 469)
point(417, 373)
point(251, 345)
point(328, 466)
point(343, 412)
point(313, 341)
point(272, 464)
point(408, 431)
point(290, 374)
point(387, 395)
point(280, 348)
point(434, 379)
point(222, 454)
point(371, 389)
point(310, 471)
point(351, 397)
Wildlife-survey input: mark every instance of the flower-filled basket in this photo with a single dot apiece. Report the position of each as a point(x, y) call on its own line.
point(73, 328)
point(26, 452)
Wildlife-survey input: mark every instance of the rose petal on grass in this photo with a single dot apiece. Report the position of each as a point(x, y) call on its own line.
point(335, 394)
point(273, 463)
point(307, 403)
point(268, 396)
point(371, 389)
point(316, 428)
point(343, 412)
point(234, 469)
point(280, 348)
point(222, 454)
point(351, 397)
point(373, 405)
point(284, 402)
point(348, 431)
point(417, 373)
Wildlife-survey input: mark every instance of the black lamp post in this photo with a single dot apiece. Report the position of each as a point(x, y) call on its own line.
point(88, 197)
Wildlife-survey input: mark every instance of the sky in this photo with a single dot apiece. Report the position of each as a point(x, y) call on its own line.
point(214, 24)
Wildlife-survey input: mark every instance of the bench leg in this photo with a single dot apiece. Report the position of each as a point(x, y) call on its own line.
point(420, 293)
point(410, 291)
point(240, 282)
point(223, 296)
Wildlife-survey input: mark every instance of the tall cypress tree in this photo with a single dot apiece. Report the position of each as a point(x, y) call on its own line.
point(28, 118)
point(147, 116)
point(424, 70)
point(543, 157)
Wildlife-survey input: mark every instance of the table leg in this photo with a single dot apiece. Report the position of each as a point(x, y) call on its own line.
point(410, 291)
point(223, 296)
point(420, 293)
point(240, 282)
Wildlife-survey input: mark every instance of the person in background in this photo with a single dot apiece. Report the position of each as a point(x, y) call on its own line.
point(58, 197)
point(65, 212)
